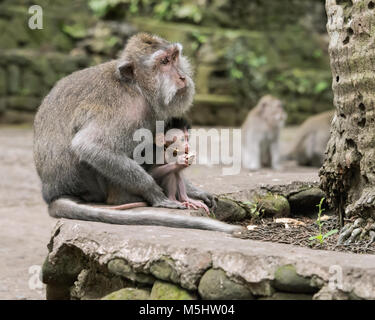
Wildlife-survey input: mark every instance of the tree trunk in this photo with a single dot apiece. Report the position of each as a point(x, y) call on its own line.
point(348, 173)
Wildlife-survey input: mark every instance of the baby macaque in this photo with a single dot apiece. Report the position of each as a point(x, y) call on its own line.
point(260, 134)
point(311, 140)
point(177, 156)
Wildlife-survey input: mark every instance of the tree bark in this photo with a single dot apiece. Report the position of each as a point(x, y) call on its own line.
point(348, 173)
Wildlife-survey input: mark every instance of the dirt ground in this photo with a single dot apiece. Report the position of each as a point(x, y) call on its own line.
point(25, 225)
point(298, 231)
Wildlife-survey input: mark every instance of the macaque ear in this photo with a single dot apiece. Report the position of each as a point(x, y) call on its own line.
point(125, 70)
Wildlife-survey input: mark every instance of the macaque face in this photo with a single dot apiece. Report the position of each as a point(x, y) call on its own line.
point(274, 113)
point(177, 148)
point(173, 75)
point(159, 70)
point(170, 68)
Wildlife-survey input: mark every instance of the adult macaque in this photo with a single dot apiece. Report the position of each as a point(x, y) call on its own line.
point(177, 156)
point(83, 136)
point(312, 139)
point(260, 134)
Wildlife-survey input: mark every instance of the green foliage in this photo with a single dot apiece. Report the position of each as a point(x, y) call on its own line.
point(254, 208)
point(166, 10)
point(102, 7)
point(76, 31)
point(189, 12)
point(197, 39)
point(248, 70)
point(255, 69)
point(300, 82)
point(320, 237)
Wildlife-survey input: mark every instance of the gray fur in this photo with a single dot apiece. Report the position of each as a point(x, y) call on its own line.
point(67, 208)
point(83, 142)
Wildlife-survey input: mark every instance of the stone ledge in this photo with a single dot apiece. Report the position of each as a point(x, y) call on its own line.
point(80, 253)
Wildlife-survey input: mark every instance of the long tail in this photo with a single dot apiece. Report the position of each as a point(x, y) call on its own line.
point(69, 209)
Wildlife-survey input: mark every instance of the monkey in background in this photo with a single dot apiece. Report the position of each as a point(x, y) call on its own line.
point(177, 156)
point(260, 134)
point(311, 141)
point(83, 136)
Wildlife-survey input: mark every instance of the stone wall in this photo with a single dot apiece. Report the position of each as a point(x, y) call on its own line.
point(26, 77)
point(89, 260)
point(240, 50)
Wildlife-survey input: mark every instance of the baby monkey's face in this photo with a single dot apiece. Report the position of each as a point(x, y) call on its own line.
point(176, 146)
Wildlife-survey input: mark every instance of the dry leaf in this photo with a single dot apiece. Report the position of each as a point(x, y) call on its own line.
point(290, 221)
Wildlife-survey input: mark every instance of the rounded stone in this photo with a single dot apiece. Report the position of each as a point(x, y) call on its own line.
point(229, 210)
point(288, 296)
point(167, 291)
point(273, 205)
point(121, 268)
point(215, 285)
point(163, 269)
point(128, 294)
point(287, 279)
point(306, 201)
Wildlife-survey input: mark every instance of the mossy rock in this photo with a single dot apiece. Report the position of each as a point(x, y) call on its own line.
point(273, 205)
point(167, 291)
point(288, 296)
point(287, 280)
point(128, 294)
point(121, 268)
point(229, 210)
point(215, 285)
point(65, 269)
point(163, 269)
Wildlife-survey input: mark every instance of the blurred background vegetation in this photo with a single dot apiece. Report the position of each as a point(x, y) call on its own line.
point(240, 50)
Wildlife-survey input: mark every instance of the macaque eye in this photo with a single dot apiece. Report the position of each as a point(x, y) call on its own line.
point(165, 60)
point(175, 152)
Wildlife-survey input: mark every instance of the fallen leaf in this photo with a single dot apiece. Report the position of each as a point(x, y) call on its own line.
point(290, 221)
point(325, 218)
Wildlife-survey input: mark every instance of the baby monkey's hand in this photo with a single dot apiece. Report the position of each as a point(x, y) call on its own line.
point(186, 159)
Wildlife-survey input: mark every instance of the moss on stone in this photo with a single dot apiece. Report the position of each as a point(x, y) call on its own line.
point(215, 285)
point(167, 291)
point(66, 269)
point(287, 279)
point(229, 210)
point(163, 269)
point(121, 268)
point(128, 294)
point(288, 296)
point(273, 205)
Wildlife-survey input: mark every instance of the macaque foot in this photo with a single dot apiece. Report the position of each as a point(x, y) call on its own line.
point(360, 229)
point(169, 204)
point(195, 204)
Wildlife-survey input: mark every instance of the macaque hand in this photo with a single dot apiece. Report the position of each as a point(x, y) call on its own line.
point(186, 159)
point(190, 158)
point(206, 197)
point(196, 204)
